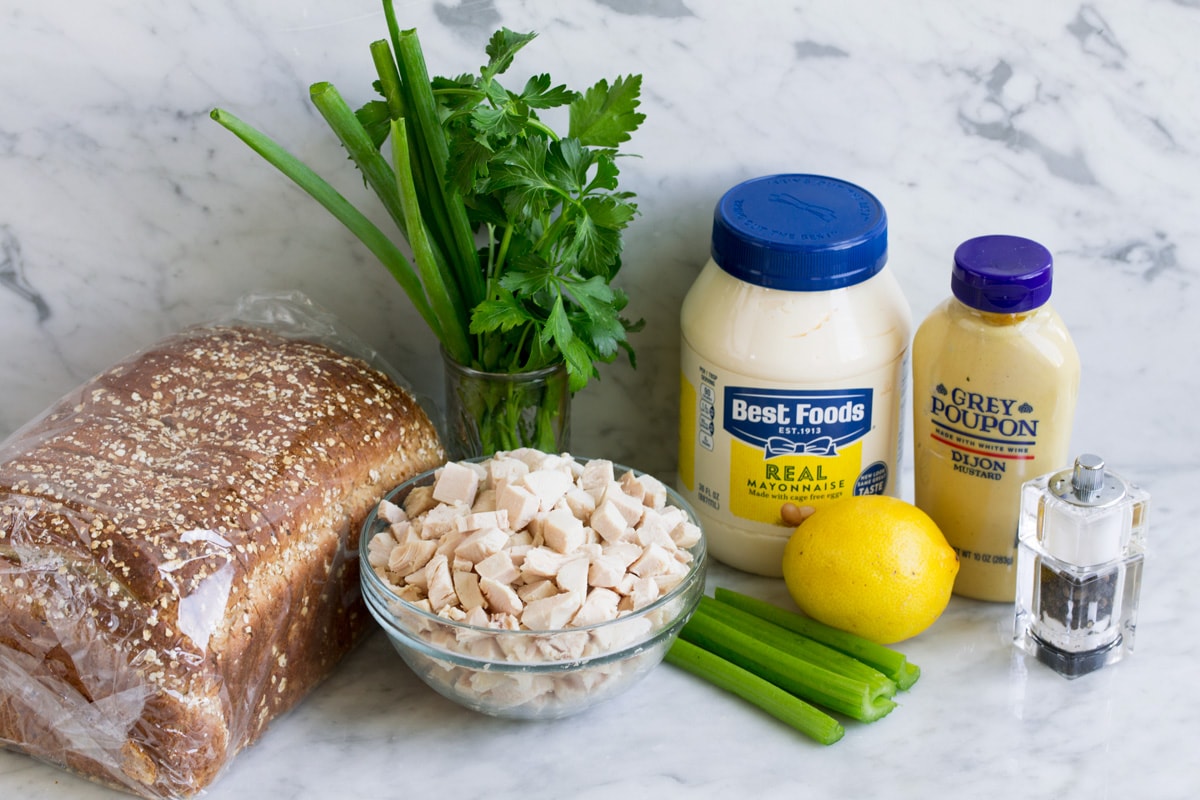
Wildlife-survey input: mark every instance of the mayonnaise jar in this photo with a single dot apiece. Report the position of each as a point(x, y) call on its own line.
point(794, 356)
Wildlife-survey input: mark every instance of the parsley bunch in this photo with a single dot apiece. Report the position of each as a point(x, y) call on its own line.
point(514, 230)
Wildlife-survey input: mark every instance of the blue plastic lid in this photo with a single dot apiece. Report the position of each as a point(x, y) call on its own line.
point(1002, 274)
point(803, 233)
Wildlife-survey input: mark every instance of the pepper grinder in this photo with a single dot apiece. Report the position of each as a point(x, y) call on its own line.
point(1081, 546)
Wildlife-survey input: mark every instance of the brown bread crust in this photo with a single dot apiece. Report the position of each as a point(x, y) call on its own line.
point(179, 550)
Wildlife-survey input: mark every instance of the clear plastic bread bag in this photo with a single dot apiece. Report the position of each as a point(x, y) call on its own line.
point(178, 542)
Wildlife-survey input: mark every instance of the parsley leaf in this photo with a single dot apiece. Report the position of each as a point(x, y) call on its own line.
point(605, 117)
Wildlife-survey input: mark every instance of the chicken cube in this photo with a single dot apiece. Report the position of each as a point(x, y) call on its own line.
point(643, 592)
point(501, 599)
point(419, 500)
point(456, 482)
point(685, 534)
point(632, 487)
point(608, 521)
point(518, 503)
point(653, 530)
point(449, 543)
point(605, 571)
point(549, 485)
point(498, 567)
point(439, 583)
point(505, 470)
point(655, 560)
point(481, 544)
point(631, 508)
point(600, 606)
point(391, 512)
point(379, 548)
point(550, 613)
point(655, 495)
point(466, 586)
point(441, 520)
point(624, 553)
point(537, 590)
point(573, 577)
point(542, 562)
point(597, 475)
point(410, 556)
point(563, 531)
point(579, 502)
point(485, 500)
point(478, 520)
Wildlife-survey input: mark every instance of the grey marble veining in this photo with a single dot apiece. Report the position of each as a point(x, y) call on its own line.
point(126, 212)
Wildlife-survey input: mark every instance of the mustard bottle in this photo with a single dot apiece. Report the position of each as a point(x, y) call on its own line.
point(995, 381)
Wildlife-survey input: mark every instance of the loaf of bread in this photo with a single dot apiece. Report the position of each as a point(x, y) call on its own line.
point(179, 550)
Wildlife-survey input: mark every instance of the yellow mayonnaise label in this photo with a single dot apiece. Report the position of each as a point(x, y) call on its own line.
point(746, 447)
point(763, 485)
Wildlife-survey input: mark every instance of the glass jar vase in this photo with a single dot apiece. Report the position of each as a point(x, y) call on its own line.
point(488, 412)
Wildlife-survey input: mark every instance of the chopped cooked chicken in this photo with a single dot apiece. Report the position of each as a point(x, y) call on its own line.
point(550, 613)
point(519, 504)
point(501, 598)
point(391, 512)
point(457, 482)
point(534, 540)
point(477, 520)
point(498, 567)
point(548, 485)
point(466, 586)
point(481, 544)
point(597, 475)
point(600, 606)
point(439, 584)
point(608, 521)
point(563, 531)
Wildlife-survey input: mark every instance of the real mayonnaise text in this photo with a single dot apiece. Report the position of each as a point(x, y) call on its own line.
point(995, 380)
point(794, 355)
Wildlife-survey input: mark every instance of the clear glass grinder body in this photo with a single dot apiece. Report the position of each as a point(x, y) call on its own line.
point(1079, 567)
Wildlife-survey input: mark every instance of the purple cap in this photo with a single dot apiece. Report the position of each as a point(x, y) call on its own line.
point(1002, 274)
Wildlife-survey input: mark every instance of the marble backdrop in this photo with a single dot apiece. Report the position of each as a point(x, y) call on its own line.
point(126, 212)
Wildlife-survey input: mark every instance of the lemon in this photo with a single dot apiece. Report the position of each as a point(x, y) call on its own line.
point(872, 565)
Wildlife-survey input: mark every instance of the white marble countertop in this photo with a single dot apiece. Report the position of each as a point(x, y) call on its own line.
point(126, 213)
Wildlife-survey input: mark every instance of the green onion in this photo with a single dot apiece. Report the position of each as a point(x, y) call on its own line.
point(337, 205)
point(776, 661)
point(890, 662)
point(802, 716)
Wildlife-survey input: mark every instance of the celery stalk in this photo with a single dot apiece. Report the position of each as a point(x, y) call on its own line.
point(888, 661)
point(825, 687)
point(802, 716)
point(800, 646)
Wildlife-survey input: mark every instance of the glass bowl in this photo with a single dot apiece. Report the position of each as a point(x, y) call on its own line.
point(526, 674)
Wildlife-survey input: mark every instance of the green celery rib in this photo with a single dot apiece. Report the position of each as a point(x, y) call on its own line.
point(802, 716)
point(341, 208)
point(819, 685)
point(888, 661)
point(801, 646)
